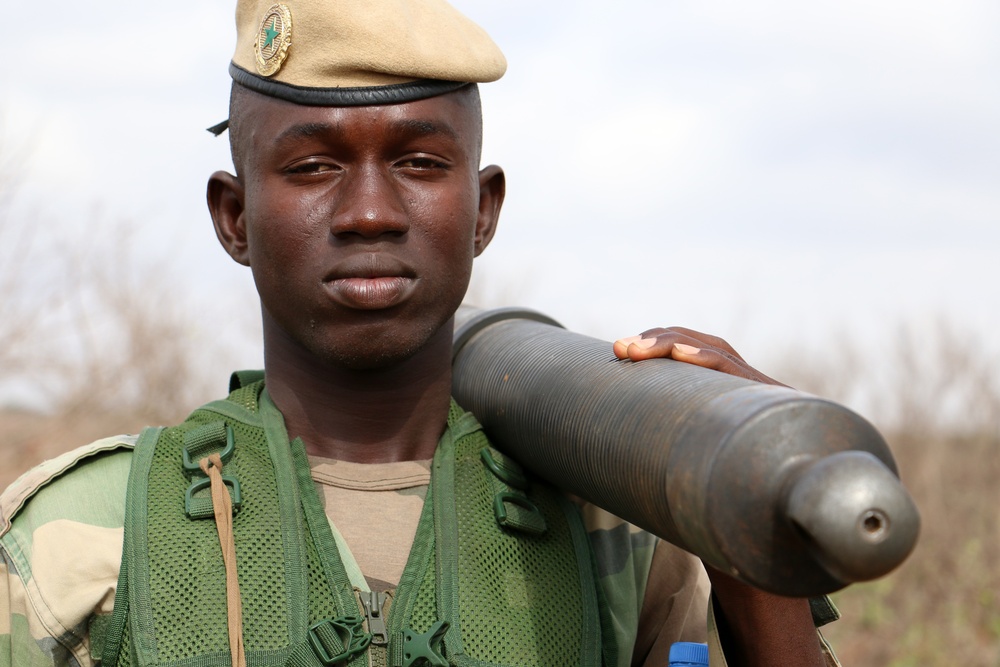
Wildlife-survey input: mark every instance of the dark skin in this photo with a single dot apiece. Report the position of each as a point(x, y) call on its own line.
point(360, 226)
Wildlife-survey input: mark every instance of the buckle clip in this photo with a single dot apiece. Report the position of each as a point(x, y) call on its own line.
point(200, 442)
point(520, 514)
point(339, 639)
point(426, 646)
point(201, 508)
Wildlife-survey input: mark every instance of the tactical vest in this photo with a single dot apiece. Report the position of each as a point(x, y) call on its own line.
point(500, 572)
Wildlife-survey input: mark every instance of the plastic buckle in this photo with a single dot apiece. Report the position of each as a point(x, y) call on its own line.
point(426, 646)
point(338, 640)
point(202, 441)
point(506, 470)
point(528, 521)
point(201, 508)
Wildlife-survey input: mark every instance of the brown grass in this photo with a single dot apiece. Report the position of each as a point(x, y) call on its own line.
point(942, 607)
point(933, 392)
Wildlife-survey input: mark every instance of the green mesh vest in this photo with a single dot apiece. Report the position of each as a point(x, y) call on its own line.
point(500, 572)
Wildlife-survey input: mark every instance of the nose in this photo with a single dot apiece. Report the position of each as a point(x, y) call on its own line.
point(369, 206)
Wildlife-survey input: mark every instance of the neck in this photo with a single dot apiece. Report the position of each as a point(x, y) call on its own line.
point(397, 413)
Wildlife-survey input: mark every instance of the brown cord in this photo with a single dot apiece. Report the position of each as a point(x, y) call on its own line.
point(222, 505)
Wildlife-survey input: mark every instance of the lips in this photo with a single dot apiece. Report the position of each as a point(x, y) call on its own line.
point(370, 282)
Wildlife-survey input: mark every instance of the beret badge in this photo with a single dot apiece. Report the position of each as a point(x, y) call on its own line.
point(273, 39)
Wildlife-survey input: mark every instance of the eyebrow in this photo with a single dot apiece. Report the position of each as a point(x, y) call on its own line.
point(305, 131)
point(427, 127)
point(403, 127)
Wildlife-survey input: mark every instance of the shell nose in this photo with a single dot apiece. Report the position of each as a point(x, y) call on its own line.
point(855, 515)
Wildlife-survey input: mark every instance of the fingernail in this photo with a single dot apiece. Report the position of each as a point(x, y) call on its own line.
point(686, 349)
point(628, 340)
point(645, 342)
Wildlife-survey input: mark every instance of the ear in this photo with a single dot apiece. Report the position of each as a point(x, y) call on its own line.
point(225, 203)
point(492, 188)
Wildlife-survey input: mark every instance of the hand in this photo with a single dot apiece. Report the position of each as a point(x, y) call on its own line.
point(691, 347)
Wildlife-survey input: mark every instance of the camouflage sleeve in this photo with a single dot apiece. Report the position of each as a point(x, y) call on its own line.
point(631, 562)
point(60, 550)
point(659, 594)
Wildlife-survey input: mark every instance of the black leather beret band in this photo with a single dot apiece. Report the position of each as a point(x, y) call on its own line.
point(396, 93)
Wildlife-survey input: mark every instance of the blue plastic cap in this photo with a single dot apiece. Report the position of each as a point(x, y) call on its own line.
point(688, 654)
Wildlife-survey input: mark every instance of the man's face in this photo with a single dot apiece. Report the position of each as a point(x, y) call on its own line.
point(360, 224)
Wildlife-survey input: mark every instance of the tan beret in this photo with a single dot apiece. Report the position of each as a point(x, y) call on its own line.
point(355, 52)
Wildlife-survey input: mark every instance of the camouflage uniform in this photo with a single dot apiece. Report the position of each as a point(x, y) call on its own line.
point(61, 547)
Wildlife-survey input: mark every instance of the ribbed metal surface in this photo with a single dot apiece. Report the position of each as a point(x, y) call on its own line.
point(703, 459)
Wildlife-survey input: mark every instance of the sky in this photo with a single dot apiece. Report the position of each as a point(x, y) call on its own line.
point(778, 173)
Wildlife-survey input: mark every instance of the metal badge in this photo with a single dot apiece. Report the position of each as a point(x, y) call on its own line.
point(273, 39)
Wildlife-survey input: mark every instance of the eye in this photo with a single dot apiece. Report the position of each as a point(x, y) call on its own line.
point(311, 166)
point(421, 162)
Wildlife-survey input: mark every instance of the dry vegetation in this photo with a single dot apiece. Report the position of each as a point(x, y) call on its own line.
point(94, 338)
point(114, 353)
point(109, 352)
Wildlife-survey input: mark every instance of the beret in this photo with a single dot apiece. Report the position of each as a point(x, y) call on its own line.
point(359, 52)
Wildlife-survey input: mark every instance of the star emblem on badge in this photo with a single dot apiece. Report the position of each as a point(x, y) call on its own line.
point(271, 34)
point(273, 39)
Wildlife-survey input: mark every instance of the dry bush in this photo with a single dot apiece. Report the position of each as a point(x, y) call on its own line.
point(95, 339)
point(133, 335)
point(932, 393)
point(21, 284)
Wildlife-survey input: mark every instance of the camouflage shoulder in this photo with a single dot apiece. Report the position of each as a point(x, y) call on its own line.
point(100, 468)
point(618, 545)
point(623, 557)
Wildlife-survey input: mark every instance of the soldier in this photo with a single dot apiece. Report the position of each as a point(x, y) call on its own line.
point(339, 508)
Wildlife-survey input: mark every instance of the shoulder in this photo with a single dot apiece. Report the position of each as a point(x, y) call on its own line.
point(60, 548)
point(629, 556)
point(656, 593)
point(86, 484)
point(620, 548)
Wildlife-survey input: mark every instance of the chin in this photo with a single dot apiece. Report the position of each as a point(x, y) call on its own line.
point(381, 354)
point(369, 362)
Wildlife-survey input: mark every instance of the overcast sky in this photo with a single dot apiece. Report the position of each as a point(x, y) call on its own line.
point(772, 171)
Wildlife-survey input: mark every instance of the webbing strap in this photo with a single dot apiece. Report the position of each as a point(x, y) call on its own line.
point(511, 505)
point(211, 465)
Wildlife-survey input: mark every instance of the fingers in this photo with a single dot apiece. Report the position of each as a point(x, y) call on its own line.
point(672, 343)
point(689, 346)
point(706, 340)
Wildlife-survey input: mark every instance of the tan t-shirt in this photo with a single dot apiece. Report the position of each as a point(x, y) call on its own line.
point(375, 508)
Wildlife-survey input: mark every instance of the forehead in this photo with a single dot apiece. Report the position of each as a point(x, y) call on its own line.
point(454, 116)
